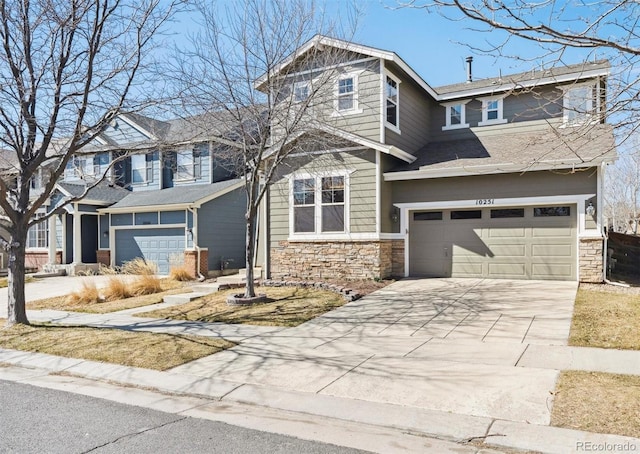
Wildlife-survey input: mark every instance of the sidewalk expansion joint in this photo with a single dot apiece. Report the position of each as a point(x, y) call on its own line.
point(521, 355)
point(492, 326)
point(350, 370)
point(528, 328)
point(414, 349)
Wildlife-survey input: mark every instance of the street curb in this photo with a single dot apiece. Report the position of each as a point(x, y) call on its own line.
point(429, 423)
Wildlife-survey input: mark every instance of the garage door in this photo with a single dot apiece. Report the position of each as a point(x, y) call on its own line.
point(513, 242)
point(156, 245)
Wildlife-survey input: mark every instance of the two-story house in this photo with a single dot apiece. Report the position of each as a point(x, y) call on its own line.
point(497, 178)
point(168, 196)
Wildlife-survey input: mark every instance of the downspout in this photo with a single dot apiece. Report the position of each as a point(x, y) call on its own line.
point(194, 236)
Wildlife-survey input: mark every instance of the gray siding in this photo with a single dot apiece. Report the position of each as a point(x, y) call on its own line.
point(362, 190)
point(221, 228)
point(124, 133)
point(172, 217)
point(122, 219)
point(150, 218)
point(414, 115)
point(103, 226)
point(153, 175)
point(202, 167)
point(529, 184)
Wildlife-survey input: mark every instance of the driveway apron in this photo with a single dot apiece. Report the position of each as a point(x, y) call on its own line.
point(442, 344)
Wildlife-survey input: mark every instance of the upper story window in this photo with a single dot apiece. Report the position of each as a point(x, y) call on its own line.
point(38, 235)
point(492, 111)
point(188, 165)
point(301, 91)
point(142, 168)
point(392, 97)
point(319, 204)
point(36, 180)
point(347, 94)
point(578, 104)
point(455, 115)
point(79, 167)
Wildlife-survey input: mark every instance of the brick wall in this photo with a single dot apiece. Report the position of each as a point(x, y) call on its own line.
point(332, 260)
point(103, 256)
point(36, 259)
point(591, 259)
point(191, 260)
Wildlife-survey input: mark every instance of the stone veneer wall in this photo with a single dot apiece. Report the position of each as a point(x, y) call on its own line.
point(334, 260)
point(191, 261)
point(591, 259)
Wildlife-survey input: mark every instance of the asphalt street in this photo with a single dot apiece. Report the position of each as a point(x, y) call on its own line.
point(38, 420)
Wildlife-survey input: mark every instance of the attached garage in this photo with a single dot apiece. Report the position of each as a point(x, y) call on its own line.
point(153, 244)
point(517, 242)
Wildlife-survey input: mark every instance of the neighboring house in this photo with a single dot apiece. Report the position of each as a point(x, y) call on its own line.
point(164, 181)
point(495, 178)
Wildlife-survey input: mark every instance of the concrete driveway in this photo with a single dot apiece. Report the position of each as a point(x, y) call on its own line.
point(451, 345)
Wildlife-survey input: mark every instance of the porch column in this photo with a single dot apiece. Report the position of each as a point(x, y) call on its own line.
point(52, 239)
point(77, 236)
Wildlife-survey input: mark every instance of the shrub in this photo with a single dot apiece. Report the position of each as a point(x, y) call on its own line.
point(106, 270)
point(86, 295)
point(116, 289)
point(146, 284)
point(139, 266)
point(180, 273)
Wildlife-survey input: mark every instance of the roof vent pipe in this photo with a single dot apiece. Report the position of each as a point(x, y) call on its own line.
point(469, 74)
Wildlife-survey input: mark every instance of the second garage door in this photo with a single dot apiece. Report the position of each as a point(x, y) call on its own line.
point(155, 245)
point(512, 242)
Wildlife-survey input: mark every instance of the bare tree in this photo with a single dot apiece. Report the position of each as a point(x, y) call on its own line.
point(622, 193)
point(67, 67)
point(604, 29)
point(248, 76)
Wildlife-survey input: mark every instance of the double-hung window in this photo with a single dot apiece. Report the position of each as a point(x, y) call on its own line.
point(188, 165)
point(138, 168)
point(319, 204)
point(346, 101)
point(455, 115)
point(38, 235)
point(301, 91)
point(492, 111)
point(578, 104)
point(392, 87)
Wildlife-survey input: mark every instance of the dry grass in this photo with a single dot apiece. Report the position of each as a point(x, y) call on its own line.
point(139, 266)
point(4, 282)
point(88, 294)
point(146, 284)
point(598, 402)
point(180, 273)
point(116, 289)
point(169, 287)
point(147, 350)
point(288, 307)
point(607, 320)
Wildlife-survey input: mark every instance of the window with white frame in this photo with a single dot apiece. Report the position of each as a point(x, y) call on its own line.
point(301, 91)
point(141, 168)
point(38, 235)
point(492, 111)
point(319, 204)
point(346, 100)
point(392, 96)
point(188, 165)
point(79, 167)
point(455, 115)
point(578, 104)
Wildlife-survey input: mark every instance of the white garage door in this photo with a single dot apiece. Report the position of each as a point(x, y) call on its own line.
point(513, 242)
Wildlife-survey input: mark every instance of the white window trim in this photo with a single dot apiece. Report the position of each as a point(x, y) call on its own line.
point(356, 107)
point(318, 234)
point(144, 173)
point(395, 128)
point(296, 85)
point(192, 177)
point(463, 115)
point(485, 110)
point(590, 118)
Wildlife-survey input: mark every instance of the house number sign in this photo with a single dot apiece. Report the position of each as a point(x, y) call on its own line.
point(485, 201)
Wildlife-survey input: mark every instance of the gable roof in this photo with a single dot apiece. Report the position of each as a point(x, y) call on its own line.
point(103, 193)
point(543, 149)
point(192, 196)
point(321, 40)
point(555, 75)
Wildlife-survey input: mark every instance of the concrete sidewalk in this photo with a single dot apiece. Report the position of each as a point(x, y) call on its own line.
point(452, 359)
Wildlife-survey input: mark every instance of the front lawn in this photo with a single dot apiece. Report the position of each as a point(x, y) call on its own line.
point(598, 402)
point(139, 349)
point(289, 306)
point(64, 303)
point(606, 320)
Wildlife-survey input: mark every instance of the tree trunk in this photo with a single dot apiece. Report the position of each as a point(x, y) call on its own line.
point(16, 310)
point(249, 290)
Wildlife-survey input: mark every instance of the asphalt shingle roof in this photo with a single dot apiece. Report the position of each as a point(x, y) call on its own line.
point(554, 145)
point(173, 196)
point(102, 192)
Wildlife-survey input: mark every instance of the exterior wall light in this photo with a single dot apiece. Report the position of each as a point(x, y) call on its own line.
point(591, 210)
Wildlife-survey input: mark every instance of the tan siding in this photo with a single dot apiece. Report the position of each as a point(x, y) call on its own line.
point(362, 190)
point(414, 116)
point(530, 184)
